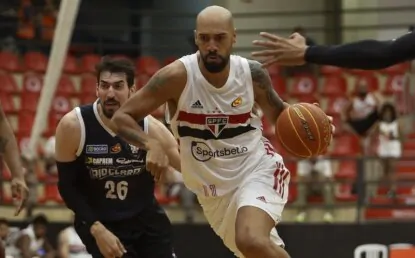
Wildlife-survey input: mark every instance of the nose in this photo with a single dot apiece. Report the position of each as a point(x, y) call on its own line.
point(212, 45)
point(110, 93)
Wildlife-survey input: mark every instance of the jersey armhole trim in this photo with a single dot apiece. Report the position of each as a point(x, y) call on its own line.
point(145, 124)
point(83, 133)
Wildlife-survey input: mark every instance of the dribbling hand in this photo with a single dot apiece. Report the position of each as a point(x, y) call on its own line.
point(157, 161)
point(20, 193)
point(108, 244)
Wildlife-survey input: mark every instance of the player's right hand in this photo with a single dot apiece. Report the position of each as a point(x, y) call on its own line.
point(109, 245)
point(281, 51)
point(157, 161)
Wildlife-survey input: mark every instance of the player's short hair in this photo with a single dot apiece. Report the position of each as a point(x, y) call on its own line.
point(116, 65)
point(40, 220)
point(4, 221)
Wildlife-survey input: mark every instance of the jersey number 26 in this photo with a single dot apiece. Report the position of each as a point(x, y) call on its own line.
point(116, 190)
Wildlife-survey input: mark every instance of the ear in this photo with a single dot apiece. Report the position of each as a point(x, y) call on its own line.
point(195, 36)
point(132, 89)
point(234, 36)
point(96, 90)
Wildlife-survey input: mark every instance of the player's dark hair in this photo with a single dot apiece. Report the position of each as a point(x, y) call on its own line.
point(116, 65)
point(386, 107)
point(40, 220)
point(4, 221)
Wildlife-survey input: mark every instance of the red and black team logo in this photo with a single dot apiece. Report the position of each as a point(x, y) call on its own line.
point(216, 124)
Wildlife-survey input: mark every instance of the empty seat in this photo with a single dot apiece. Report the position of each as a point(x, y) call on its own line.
point(304, 86)
point(397, 83)
point(9, 62)
point(334, 86)
point(29, 102)
point(25, 123)
point(66, 87)
point(61, 105)
point(88, 63)
point(331, 70)
point(346, 170)
point(8, 83)
point(346, 145)
point(88, 85)
point(336, 105)
point(35, 61)
point(279, 86)
point(147, 65)
point(87, 98)
point(32, 83)
point(397, 69)
point(71, 65)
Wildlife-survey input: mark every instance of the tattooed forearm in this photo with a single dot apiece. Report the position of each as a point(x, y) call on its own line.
point(132, 136)
point(156, 82)
point(262, 80)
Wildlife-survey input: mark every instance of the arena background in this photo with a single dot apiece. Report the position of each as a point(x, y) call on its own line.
point(155, 32)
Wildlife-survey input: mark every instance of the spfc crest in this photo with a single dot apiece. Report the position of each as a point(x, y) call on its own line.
point(216, 124)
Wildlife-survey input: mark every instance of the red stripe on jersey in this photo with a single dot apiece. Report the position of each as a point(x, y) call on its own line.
point(200, 119)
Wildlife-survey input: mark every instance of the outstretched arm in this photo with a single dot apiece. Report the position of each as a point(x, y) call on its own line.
point(166, 84)
point(365, 54)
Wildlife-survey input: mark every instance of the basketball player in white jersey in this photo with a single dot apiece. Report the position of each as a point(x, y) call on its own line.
point(70, 244)
point(241, 183)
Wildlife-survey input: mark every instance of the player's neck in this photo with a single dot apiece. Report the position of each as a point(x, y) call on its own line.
point(215, 79)
point(104, 119)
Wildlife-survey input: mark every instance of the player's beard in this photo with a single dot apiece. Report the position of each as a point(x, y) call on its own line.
point(109, 112)
point(215, 67)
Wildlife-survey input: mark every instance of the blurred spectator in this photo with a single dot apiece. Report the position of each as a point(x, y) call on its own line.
point(49, 154)
point(8, 238)
point(314, 177)
point(48, 17)
point(362, 114)
point(32, 182)
point(70, 244)
point(33, 241)
point(390, 144)
point(8, 16)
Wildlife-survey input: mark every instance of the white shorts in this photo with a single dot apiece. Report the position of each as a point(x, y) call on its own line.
point(265, 188)
point(392, 149)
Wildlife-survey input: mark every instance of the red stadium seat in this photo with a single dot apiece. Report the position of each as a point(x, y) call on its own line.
point(169, 60)
point(344, 193)
point(335, 106)
point(8, 84)
point(304, 86)
point(51, 192)
point(147, 65)
point(88, 85)
point(35, 61)
point(7, 103)
point(142, 80)
point(25, 123)
point(87, 98)
point(54, 119)
point(9, 62)
point(371, 81)
point(70, 66)
point(331, 70)
point(88, 63)
point(334, 86)
point(32, 83)
point(397, 69)
point(29, 102)
point(397, 83)
point(346, 145)
point(346, 170)
point(66, 87)
point(279, 86)
point(61, 105)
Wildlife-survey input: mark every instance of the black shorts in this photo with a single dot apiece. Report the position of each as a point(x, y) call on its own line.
point(148, 235)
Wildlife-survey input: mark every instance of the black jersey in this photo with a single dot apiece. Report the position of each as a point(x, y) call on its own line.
point(114, 179)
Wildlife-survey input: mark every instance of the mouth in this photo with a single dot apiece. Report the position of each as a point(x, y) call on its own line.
point(111, 104)
point(213, 58)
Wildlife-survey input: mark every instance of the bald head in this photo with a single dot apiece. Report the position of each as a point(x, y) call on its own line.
point(221, 17)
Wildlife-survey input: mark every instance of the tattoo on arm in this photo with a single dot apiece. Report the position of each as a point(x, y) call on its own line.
point(132, 136)
point(156, 82)
point(262, 80)
point(3, 144)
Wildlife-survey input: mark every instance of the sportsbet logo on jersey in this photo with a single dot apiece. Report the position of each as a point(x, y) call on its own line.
point(202, 152)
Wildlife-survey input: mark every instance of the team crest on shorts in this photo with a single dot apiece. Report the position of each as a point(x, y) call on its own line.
point(216, 124)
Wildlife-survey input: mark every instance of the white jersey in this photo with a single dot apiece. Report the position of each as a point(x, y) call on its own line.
point(220, 136)
point(35, 243)
point(364, 107)
point(389, 147)
point(10, 243)
point(76, 248)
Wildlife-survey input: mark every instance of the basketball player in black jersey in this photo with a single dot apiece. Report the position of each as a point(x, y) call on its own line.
point(104, 180)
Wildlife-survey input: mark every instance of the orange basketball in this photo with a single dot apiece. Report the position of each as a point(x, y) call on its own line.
point(304, 130)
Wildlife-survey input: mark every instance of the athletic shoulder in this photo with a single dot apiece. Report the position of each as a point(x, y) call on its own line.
point(68, 136)
point(260, 76)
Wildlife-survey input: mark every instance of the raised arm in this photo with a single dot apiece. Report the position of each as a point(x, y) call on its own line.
point(68, 138)
point(266, 97)
point(165, 85)
point(364, 54)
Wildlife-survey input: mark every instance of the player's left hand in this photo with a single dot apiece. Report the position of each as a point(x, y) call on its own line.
point(282, 51)
point(332, 126)
point(20, 192)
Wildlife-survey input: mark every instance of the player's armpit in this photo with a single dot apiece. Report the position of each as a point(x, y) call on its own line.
point(158, 131)
point(167, 84)
point(265, 95)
